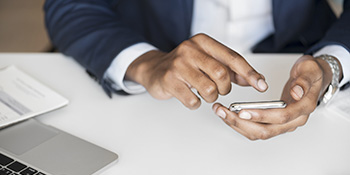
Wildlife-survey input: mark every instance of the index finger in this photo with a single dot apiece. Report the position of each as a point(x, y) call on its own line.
point(233, 60)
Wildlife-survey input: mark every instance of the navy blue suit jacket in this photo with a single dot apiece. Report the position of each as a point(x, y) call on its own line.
point(94, 31)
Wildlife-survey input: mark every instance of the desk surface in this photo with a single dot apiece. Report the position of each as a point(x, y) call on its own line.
point(163, 138)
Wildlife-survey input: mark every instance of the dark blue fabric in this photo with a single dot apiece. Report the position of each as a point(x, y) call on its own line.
point(94, 31)
point(338, 33)
point(299, 24)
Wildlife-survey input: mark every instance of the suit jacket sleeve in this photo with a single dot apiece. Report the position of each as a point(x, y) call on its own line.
point(88, 30)
point(339, 32)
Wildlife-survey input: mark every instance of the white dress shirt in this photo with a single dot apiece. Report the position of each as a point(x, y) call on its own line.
point(239, 24)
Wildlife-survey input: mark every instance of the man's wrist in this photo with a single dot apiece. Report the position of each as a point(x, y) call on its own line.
point(117, 70)
point(343, 58)
point(331, 78)
point(140, 69)
point(327, 73)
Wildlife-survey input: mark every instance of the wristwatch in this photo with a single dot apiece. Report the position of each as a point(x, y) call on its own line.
point(333, 87)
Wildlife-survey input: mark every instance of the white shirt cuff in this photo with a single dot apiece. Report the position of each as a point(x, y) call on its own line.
point(342, 55)
point(117, 70)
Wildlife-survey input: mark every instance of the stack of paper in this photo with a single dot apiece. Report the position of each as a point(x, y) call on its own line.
point(22, 97)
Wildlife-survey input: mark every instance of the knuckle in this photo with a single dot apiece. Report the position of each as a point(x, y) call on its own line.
point(264, 134)
point(212, 98)
point(304, 120)
point(220, 73)
point(210, 90)
point(177, 62)
point(225, 90)
point(199, 36)
point(192, 103)
point(252, 138)
point(185, 46)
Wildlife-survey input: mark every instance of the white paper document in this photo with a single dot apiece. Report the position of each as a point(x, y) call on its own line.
point(22, 97)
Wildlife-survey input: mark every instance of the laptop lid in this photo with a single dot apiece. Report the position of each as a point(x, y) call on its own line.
point(53, 151)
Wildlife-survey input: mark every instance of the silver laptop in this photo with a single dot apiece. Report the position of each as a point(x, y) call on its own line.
point(33, 148)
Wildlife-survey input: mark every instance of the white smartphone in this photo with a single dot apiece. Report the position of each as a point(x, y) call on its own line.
point(236, 107)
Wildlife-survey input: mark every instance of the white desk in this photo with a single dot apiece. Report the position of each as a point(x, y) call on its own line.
point(164, 138)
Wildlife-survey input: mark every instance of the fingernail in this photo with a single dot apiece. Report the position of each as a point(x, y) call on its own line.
point(215, 107)
point(262, 84)
point(245, 115)
point(298, 91)
point(221, 113)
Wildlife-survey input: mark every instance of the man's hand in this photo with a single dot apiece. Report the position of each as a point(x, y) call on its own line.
point(201, 63)
point(309, 78)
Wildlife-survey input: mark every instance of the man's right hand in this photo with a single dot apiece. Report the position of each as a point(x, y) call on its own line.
point(201, 63)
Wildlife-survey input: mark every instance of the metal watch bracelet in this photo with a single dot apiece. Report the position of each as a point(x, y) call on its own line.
point(333, 87)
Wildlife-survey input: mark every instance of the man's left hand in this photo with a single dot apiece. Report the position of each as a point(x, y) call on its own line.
point(309, 78)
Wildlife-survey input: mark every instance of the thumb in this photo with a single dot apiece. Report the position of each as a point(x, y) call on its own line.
point(297, 92)
point(300, 87)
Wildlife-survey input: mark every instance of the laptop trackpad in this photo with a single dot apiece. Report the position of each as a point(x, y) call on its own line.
point(22, 137)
